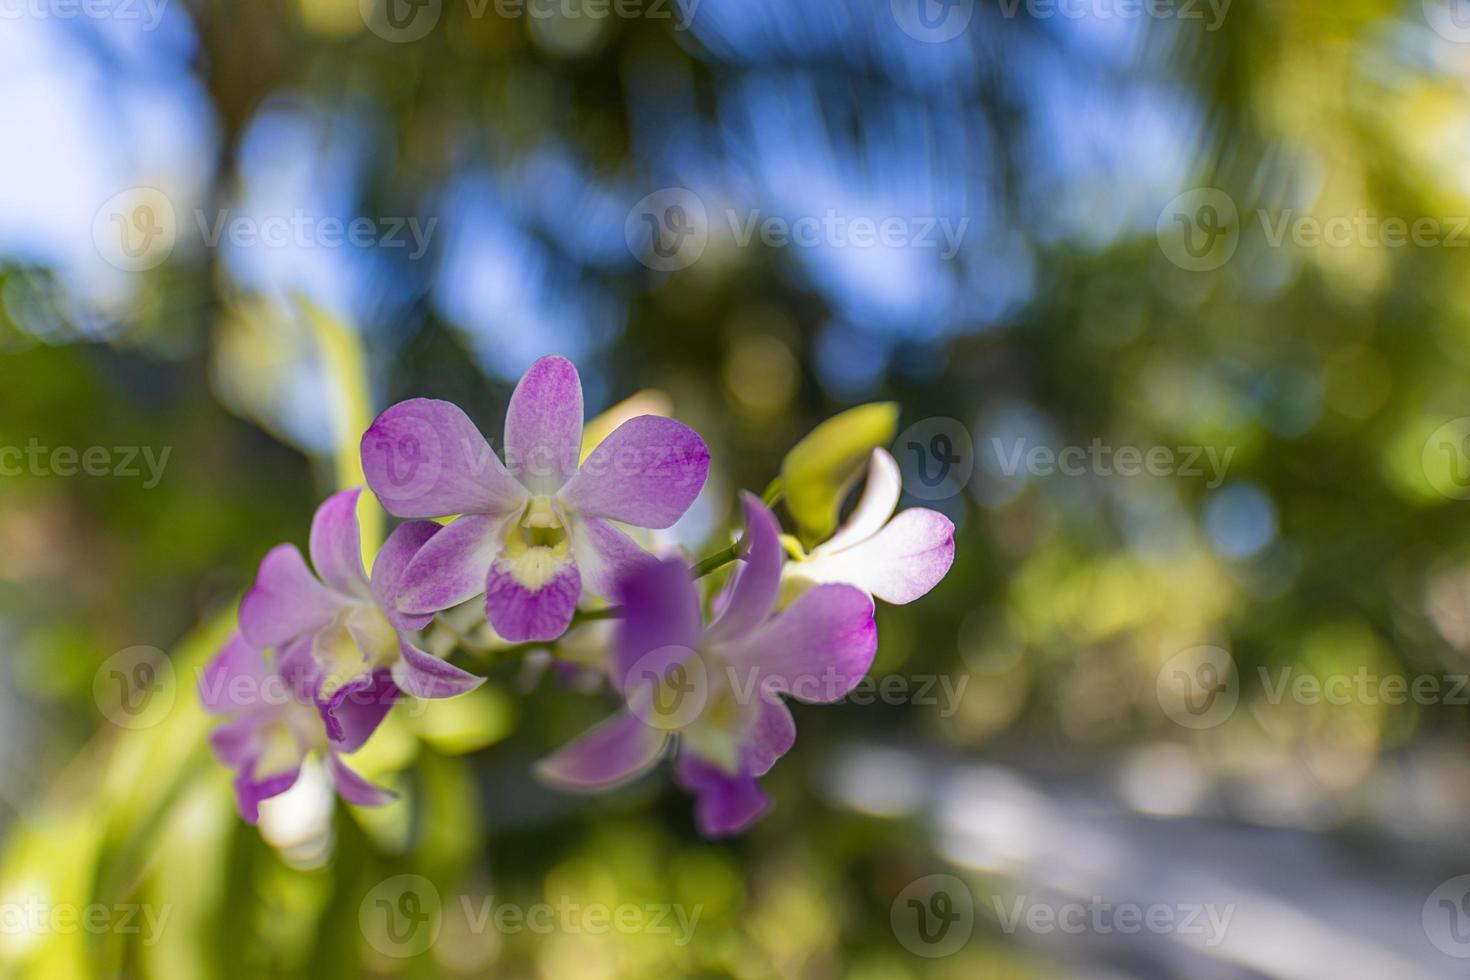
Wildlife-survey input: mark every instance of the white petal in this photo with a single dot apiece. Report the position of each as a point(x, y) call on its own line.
point(898, 564)
point(879, 500)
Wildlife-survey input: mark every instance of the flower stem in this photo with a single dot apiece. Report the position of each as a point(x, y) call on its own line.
point(719, 559)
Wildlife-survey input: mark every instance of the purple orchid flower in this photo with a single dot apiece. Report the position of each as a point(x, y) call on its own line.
point(897, 560)
point(718, 687)
point(277, 722)
point(537, 531)
point(347, 622)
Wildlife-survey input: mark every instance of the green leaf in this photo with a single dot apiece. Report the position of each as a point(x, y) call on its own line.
point(818, 471)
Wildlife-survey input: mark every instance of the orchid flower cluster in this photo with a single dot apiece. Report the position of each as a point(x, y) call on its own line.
point(549, 538)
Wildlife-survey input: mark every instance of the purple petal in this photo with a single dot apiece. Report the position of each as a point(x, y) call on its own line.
point(724, 804)
point(356, 790)
point(817, 649)
point(426, 676)
point(521, 612)
point(402, 546)
point(425, 458)
point(452, 566)
point(646, 473)
point(234, 743)
point(299, 669)
point(898, 564)
point(234, 680)
point(287, 601)
point(543, 425)
point(758, 580)
point(604, 555)
point(660, 609)
point(613, 752)
point(355, 709)
point(772, 737)
point(336, 544)
point(249, 792)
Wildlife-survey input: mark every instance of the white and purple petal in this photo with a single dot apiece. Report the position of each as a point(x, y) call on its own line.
point(426, 676)
point(646, 473)
point(660, 609)
point(724, 804)
point(817, 649)
point(393, 559)
point(757, 581)
point(452, 566)
point(234, 681)
point(425, 458)
point(336, 544)
point(532, 597)
point(543, 425)
point(355, 710)
point(604, 555)
point(356, 790)
point(877, 504)
point(899, 564)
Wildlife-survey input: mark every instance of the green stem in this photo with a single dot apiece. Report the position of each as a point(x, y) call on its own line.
point(720, 559)
point(775, 490)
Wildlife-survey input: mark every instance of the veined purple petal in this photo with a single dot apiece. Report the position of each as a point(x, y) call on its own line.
point(646, 473)
point(388, 567)
point(249, 792)
point(286, 601)
point(543, 425)
point(898, 564)
point(299, 669)
point(724, 804)
point(234, 680)
point(877, 504)
point(336, 544)
point(614, 751)
point(426, 676)
point(604, 555)
point(355, 709)
point(817, 649)
point(660, 609)
point(356, 790)
point(452, 566)
point(425, 458)
point(525, 602)
point(758, 580)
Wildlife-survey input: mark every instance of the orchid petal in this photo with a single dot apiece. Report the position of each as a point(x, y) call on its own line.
point(393, 559)
point(355, 710)
point(286, 600)
point(771, 738)
point(877, 504)
point(426, 676)
point(817, 649)
point(532, 597)
point(543, 425)
point(425, 458)
point(898, 565)
point(757, 582)
point(249, 792)
point(604, 554)
point(612, 752)
point(452, 566)
point(724, 804)
point(660, 609)
point(356, 790)
point(646, 473)
point(234, 679)
point(336, 544)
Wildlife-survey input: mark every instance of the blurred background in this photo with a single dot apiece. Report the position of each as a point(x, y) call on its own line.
point(1174, 295)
